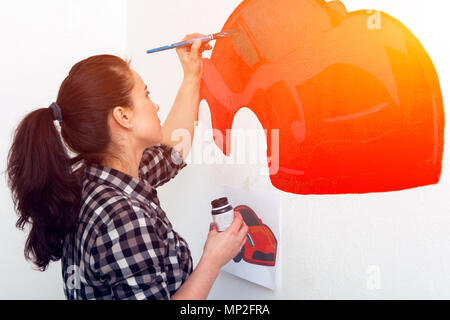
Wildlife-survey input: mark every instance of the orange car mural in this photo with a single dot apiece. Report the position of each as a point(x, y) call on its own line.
point(261, 245)
point(356, 105)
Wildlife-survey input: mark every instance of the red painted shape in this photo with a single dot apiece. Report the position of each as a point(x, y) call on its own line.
point(355, 96)
point(261, 245)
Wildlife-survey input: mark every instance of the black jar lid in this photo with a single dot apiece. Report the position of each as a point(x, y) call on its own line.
point(219, 202)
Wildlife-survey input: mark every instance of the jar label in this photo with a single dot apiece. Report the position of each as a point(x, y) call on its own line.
point(223, 220)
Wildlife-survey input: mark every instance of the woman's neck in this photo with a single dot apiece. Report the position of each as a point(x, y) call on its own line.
point(127, 163)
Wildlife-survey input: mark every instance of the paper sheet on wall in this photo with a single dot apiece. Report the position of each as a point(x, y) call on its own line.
point(260, 260)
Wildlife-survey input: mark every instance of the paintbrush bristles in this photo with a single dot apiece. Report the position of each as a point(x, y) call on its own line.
point(225, 34)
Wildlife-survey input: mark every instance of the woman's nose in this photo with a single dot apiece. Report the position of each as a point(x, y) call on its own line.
point(157, 107)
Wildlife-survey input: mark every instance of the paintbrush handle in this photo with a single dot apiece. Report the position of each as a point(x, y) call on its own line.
point(185, 43)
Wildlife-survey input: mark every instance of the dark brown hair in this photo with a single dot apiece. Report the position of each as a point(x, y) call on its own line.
point(46, 190)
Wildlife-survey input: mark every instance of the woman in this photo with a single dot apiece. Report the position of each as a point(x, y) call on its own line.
point(104, 219)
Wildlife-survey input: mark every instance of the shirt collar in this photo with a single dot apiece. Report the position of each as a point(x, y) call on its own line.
point(140, 189)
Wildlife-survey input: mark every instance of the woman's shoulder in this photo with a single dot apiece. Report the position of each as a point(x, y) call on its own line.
point(102, 204)
point(159, 164)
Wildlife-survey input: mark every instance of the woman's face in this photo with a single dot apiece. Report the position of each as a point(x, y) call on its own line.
point(146, 123)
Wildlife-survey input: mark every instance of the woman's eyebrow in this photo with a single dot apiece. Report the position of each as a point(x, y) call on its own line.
point(145, 88)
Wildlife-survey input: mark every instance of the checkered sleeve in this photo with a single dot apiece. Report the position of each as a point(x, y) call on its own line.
point(128, 255)
point(159, 164)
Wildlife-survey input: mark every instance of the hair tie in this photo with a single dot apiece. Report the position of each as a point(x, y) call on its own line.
point(57, 115)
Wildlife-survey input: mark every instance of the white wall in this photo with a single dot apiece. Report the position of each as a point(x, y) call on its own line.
point(40, 42)
point(332, 246)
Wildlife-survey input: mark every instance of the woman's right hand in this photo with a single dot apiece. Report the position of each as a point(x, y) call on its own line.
point(221, 247)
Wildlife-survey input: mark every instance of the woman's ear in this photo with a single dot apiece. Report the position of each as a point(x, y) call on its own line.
point(122, 116)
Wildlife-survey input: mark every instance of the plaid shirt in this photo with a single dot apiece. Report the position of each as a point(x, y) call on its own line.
point(123, 246)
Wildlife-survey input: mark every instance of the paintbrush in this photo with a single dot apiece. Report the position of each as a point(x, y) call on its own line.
point(189, 42)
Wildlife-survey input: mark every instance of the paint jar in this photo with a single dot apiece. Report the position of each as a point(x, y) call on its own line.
point(222, 213)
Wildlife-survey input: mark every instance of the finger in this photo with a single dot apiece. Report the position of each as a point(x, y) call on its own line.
point(243, 230)
point(243, 241)
point(191, 36)
point(195, 48)
point(244, 225)
point(182, 52)
point(237, 222)
point(187, 50)
point(205, 46)
point(213, 232)
point(212, 226)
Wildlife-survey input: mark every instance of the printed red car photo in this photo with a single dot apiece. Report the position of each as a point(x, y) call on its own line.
point(261, 245)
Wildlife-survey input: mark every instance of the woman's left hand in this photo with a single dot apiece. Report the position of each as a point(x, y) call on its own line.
point(191, 57)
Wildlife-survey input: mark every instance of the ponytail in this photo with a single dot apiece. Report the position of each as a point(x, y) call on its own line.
point(45, 192)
